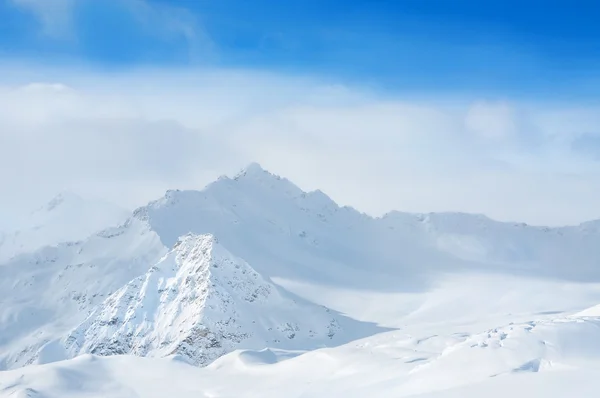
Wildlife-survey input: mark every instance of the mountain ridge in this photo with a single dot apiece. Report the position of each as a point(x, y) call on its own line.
point(455, 239)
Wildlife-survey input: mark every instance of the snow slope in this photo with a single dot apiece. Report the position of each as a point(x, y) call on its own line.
point(201, 302)
point(67, 217)
point(45, 294)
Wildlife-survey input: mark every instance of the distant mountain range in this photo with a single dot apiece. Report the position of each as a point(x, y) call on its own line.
point(190, 273)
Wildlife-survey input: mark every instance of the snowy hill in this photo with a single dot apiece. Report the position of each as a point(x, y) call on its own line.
point(201, 302)
point(65, 218)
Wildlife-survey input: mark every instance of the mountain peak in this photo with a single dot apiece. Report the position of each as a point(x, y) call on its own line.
point(189, 243)
point(192, 239)
point(200, 301)
point(254, 170)
point(254, 176)
point(254, 167)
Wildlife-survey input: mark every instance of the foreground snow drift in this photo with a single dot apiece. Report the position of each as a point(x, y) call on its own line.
point(549, 359)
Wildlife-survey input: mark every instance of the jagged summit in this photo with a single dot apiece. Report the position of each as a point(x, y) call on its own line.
point(252, 180)
point(255, 177)
point(200, 302)
point(252, 184)
point(253, 170)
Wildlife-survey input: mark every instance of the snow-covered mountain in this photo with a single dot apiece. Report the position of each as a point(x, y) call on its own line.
point(49, 292)
point(201, 302)
point(160, 284)
point(289, 233)
point(67, 217)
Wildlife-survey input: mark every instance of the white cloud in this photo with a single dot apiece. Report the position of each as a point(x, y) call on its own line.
point(129, 137)
point(494, 121)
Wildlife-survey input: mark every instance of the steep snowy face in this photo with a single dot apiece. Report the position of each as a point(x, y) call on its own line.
point(201, 302)
point(65, 218)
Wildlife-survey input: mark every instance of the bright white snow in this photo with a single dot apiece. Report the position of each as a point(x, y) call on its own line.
point(478, 307)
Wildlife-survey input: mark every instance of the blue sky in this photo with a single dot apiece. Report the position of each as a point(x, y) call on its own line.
point(422, 105)
point(528, 47)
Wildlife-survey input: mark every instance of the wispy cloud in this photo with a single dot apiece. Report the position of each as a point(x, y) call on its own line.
point(173, 22)
point(128, 137)
point(59, 19)
point(55, 16)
